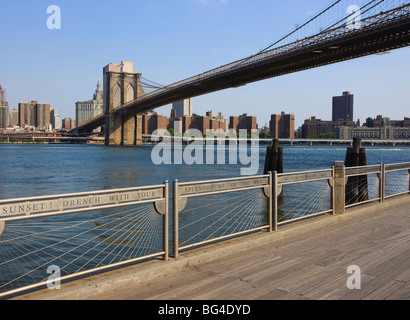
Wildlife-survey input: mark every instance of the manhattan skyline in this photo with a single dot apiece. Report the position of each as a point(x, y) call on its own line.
point(168, 42)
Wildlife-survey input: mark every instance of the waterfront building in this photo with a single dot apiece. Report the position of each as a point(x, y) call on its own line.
point(183, 108)
point(86, 110)
point(68, 124)
point(243, 122)
point(282, 126)
point(376, 133)
point(381, 121)
point(152, 122)
point(314, 127)
point(343, 107)
point(34, 114)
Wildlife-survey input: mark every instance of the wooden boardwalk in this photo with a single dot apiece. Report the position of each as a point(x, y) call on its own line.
point(306, 260)
point(311, 264)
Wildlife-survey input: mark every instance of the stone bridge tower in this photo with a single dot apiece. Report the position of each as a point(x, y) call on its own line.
point(121, 85)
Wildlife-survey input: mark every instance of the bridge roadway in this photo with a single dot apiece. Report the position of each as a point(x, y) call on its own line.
point(307, 260)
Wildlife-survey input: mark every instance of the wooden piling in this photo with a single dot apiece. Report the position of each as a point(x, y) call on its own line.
point(357, 186)
point(274, 158)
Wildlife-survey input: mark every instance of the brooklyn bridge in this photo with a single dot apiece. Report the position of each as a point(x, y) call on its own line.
point(373, 28)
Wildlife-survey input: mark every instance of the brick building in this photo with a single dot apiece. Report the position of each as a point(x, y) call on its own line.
point(282, 126)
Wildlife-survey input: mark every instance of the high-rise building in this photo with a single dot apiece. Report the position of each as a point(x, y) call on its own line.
point(55, 119)
point(343, 107)
point(4, 117)
point(42, 118)
point(282, 126)
point(183, 108)
point(243, 122)
point(27, 114)
point(34, 114)
point(3, 101)
point(14, 118)
point(86, 110)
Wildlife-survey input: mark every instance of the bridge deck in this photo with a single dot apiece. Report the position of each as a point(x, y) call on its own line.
point(311, 264)
point(308, 260)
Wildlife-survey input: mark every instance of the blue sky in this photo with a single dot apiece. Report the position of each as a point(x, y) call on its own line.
point(170, 40)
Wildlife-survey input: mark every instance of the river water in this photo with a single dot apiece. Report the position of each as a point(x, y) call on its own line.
point(38, 170)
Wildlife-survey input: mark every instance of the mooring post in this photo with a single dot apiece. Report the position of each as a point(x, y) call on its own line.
point(339, 186)
point(357, 186)
point(274, 158)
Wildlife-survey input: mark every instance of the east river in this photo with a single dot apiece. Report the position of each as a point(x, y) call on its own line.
point(39, 170)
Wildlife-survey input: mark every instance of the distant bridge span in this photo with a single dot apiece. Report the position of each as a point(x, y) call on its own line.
point(383, 32)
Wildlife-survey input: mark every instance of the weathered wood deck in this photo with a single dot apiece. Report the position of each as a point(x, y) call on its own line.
point(311, 264)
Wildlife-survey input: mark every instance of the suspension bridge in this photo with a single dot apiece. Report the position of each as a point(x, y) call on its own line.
point(372, 27)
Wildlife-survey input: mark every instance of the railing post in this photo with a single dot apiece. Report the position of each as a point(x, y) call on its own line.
point(339, 188)
point(332, 193)
point(270, 215)
point(275, 201)
point(166, 221)
point(382, 182)
point(176, 221)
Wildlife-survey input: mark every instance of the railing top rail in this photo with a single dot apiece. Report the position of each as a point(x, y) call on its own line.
point(306, 176)
point(182, 184)
point(302, 172)
point(78, 194)
point(397, 166)
point(362, 170)
point(28, 208)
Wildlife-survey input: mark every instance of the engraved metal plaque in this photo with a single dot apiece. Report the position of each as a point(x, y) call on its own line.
point(361, 171)
point(78, 202)
point(304, 177)
point(398, 166)
point(201, 188)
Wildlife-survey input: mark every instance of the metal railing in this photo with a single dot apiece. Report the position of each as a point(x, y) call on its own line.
point(202, 216)
point(84, 233)
point(80, 234)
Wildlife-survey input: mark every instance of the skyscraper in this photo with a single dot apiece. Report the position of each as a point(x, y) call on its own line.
point(55, 119)
point(4, 117)
point(343, 107)
point(3, 101)
point(183, 108)
point(86, 110)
